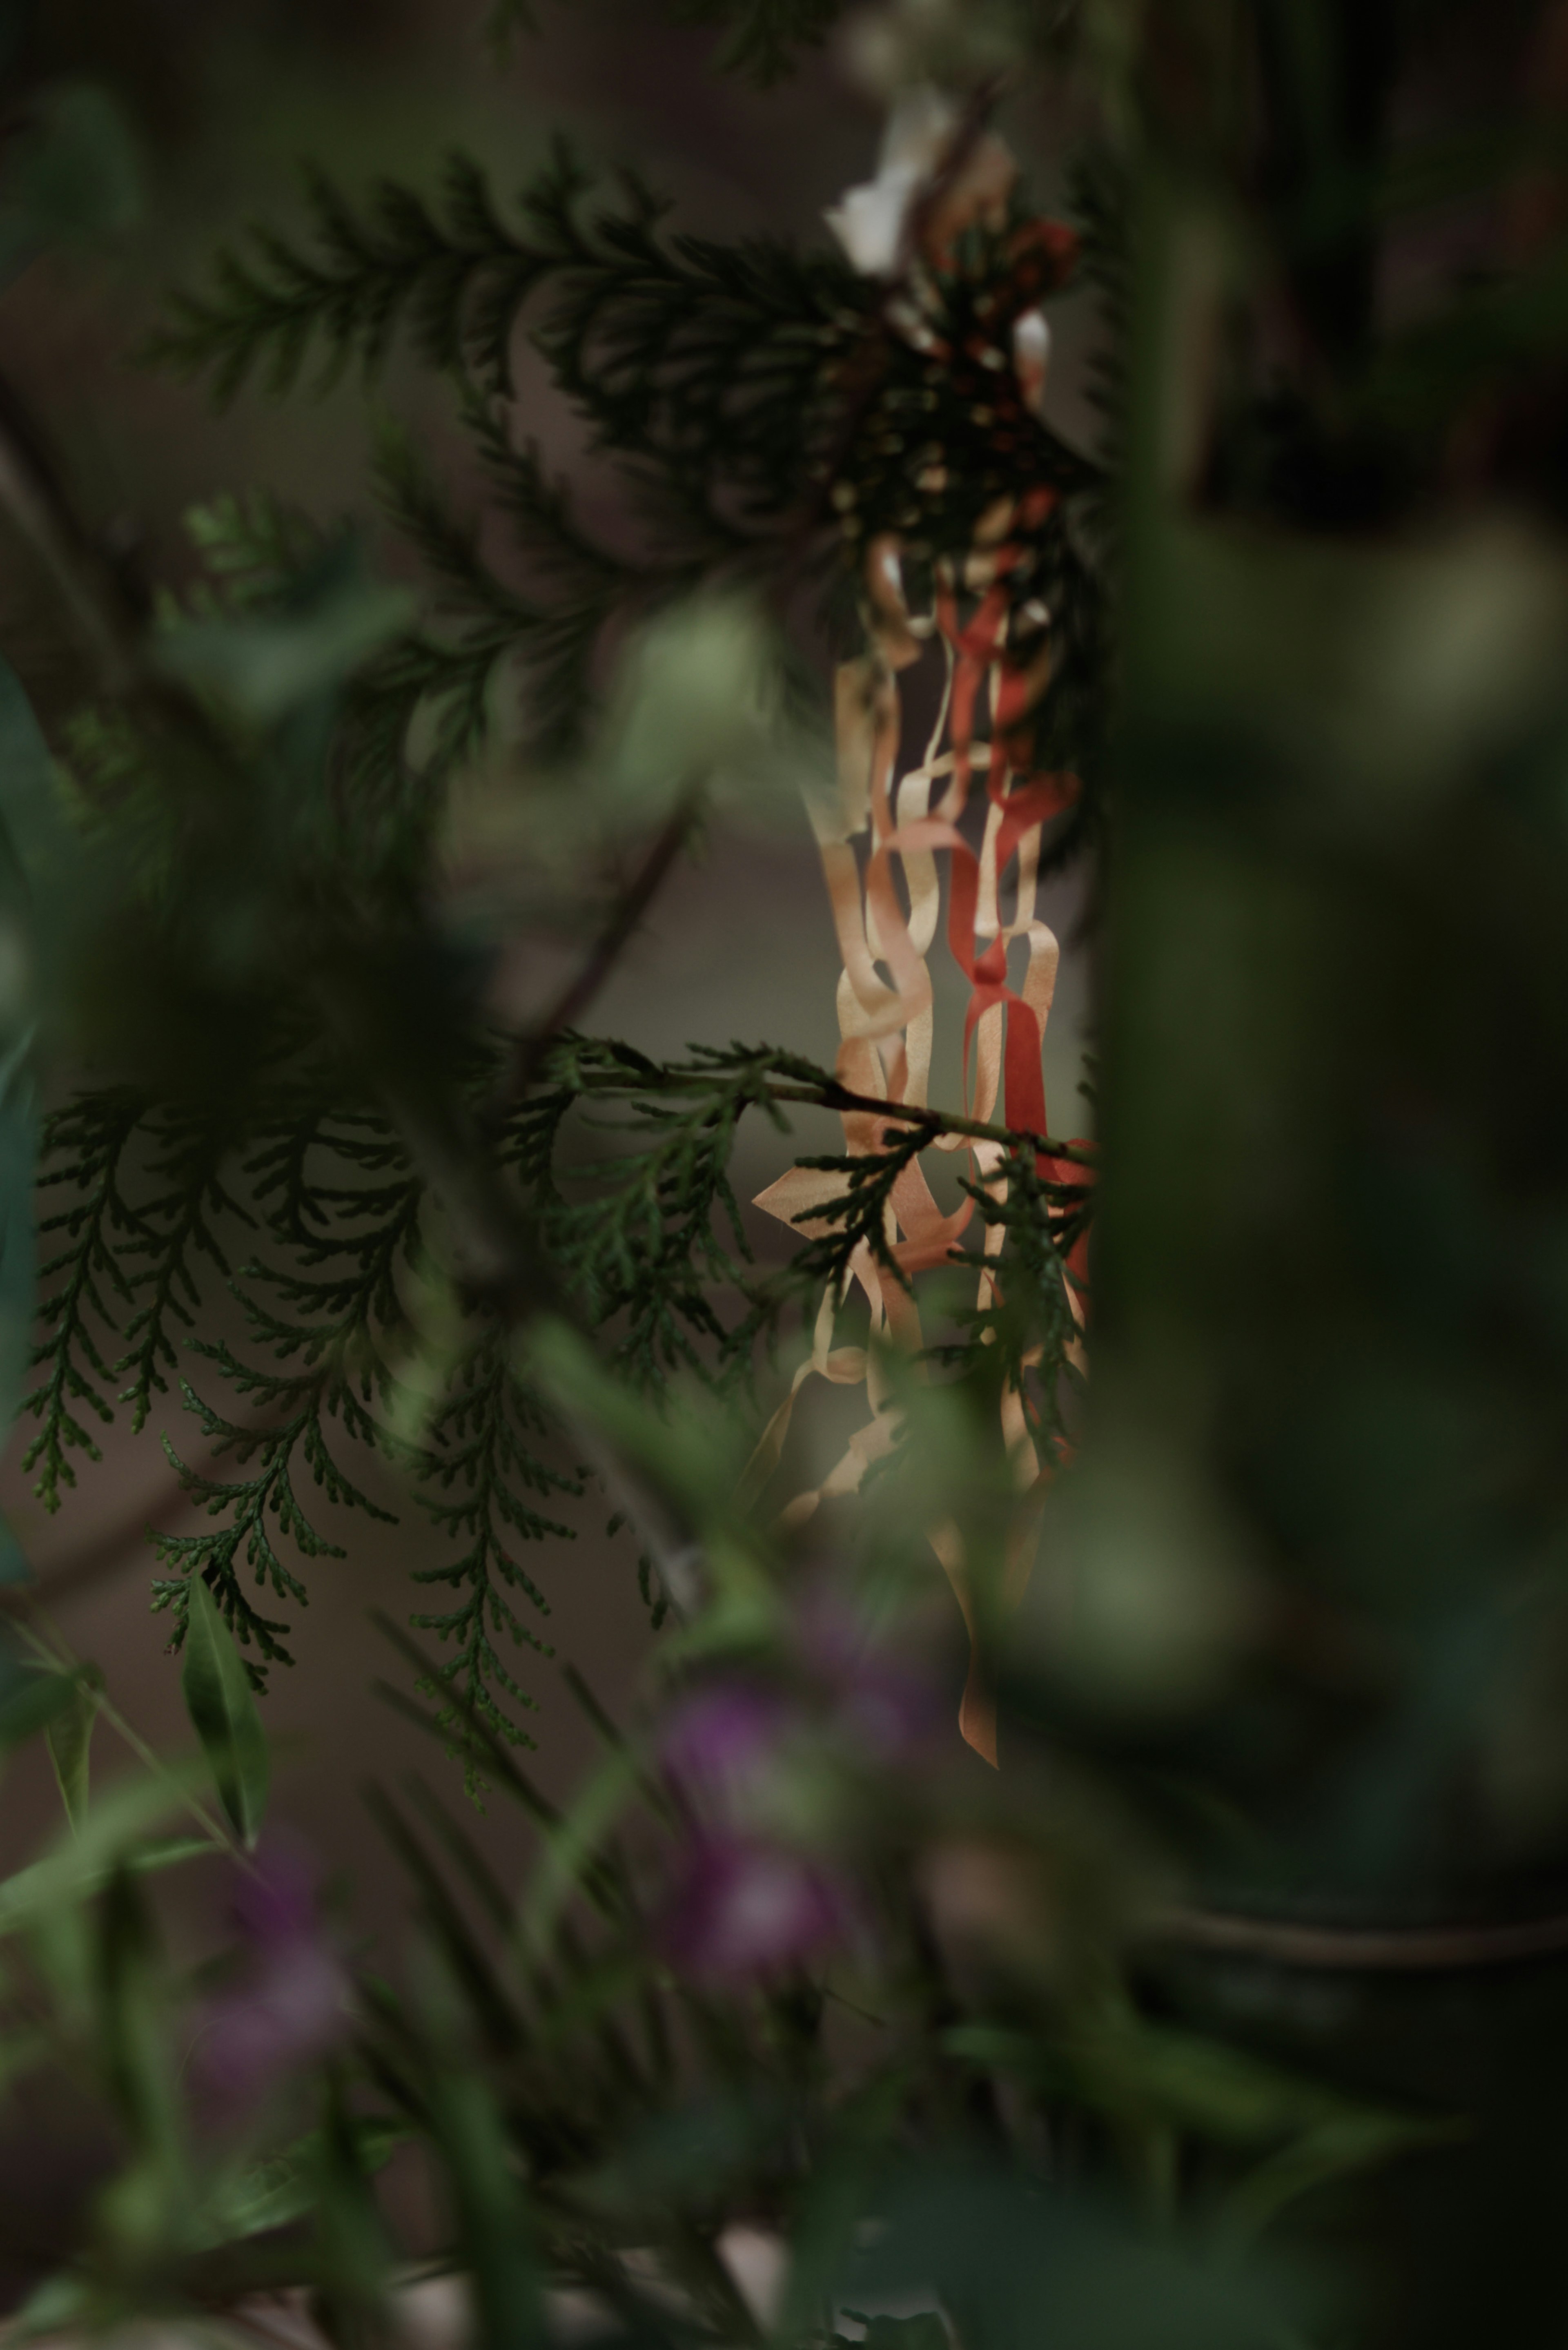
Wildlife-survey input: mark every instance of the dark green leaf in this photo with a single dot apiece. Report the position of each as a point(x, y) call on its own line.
point(223, 1708)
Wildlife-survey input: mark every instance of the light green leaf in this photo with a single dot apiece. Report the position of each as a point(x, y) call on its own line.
point(85, 1858)
point(223, 1710)
point(267, 667)
point(691, 699)
point(496, 2238)
point(1336, 2149)
point(275, 2194)
point(69, 1736)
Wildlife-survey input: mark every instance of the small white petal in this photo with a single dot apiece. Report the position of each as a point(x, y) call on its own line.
point(869, 222)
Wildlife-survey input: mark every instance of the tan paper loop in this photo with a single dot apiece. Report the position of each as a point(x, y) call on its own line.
point(886, 900)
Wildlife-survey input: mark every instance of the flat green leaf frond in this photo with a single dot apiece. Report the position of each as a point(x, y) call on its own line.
point(252, 550)
point(177, 1230)
point(454, 274)
point(483, 621)
point(333, 1317)
point(84, 1291)
point(863, 1211)
point(764, 37)
point(709, 359)
point(646, 1235)
point(481, 1466)
point(1030, 1333)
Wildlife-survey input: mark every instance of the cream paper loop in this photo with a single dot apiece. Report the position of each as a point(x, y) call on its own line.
point(883, 831)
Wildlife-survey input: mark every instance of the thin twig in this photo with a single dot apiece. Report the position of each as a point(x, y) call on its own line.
point(624, 921)
point(830, 1095)
point(1354, 1949)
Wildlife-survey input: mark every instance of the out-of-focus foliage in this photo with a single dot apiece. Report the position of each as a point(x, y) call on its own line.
point(1228, 2009)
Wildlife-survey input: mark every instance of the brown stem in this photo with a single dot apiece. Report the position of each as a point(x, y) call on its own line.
point(1421, 1949)
point(830, 1095)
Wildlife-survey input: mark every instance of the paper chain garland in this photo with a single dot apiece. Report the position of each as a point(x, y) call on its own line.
point(885, 1027)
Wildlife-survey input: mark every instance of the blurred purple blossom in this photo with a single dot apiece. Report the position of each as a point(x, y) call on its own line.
point(755, 1759)
point(744, 1907)
point(883, 1703)
point(723, 1737)
point(288, 2003)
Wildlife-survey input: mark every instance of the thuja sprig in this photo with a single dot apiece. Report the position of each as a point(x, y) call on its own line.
point(623, 1163)
point(330, 1321)
point(678, 348)
point(765, 37)
point(482, 1466)
point(1027, 1333)
point(88, 1140)
point(548, 630)
point(174, 1232)
point(456, 274)
point(649, 1235)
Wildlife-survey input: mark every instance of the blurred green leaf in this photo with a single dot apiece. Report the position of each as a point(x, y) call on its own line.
point(223, 1710)
point(1351, 2141)
point(1015, 2264)
point(922, 2332)
point(276, 2193)
point(691, 699)
point(262, 668)
point(30, 807)
point(494, 2236)
point(132, 1988)
point(75, 172)
point(40, 1700)
point(1123, 2064)
point(69, 1735)
point(81, 1863)
point(354, 2256)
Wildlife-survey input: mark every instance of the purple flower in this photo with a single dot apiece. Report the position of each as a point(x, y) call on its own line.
point(723, 1739)
point(882, 1703)
point(746, 1908)
point(289, 2003)
point(273, 1903)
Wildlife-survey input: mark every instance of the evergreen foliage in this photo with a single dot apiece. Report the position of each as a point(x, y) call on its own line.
point(715, 376)
point(622, 1164)
point(1286, 1708)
